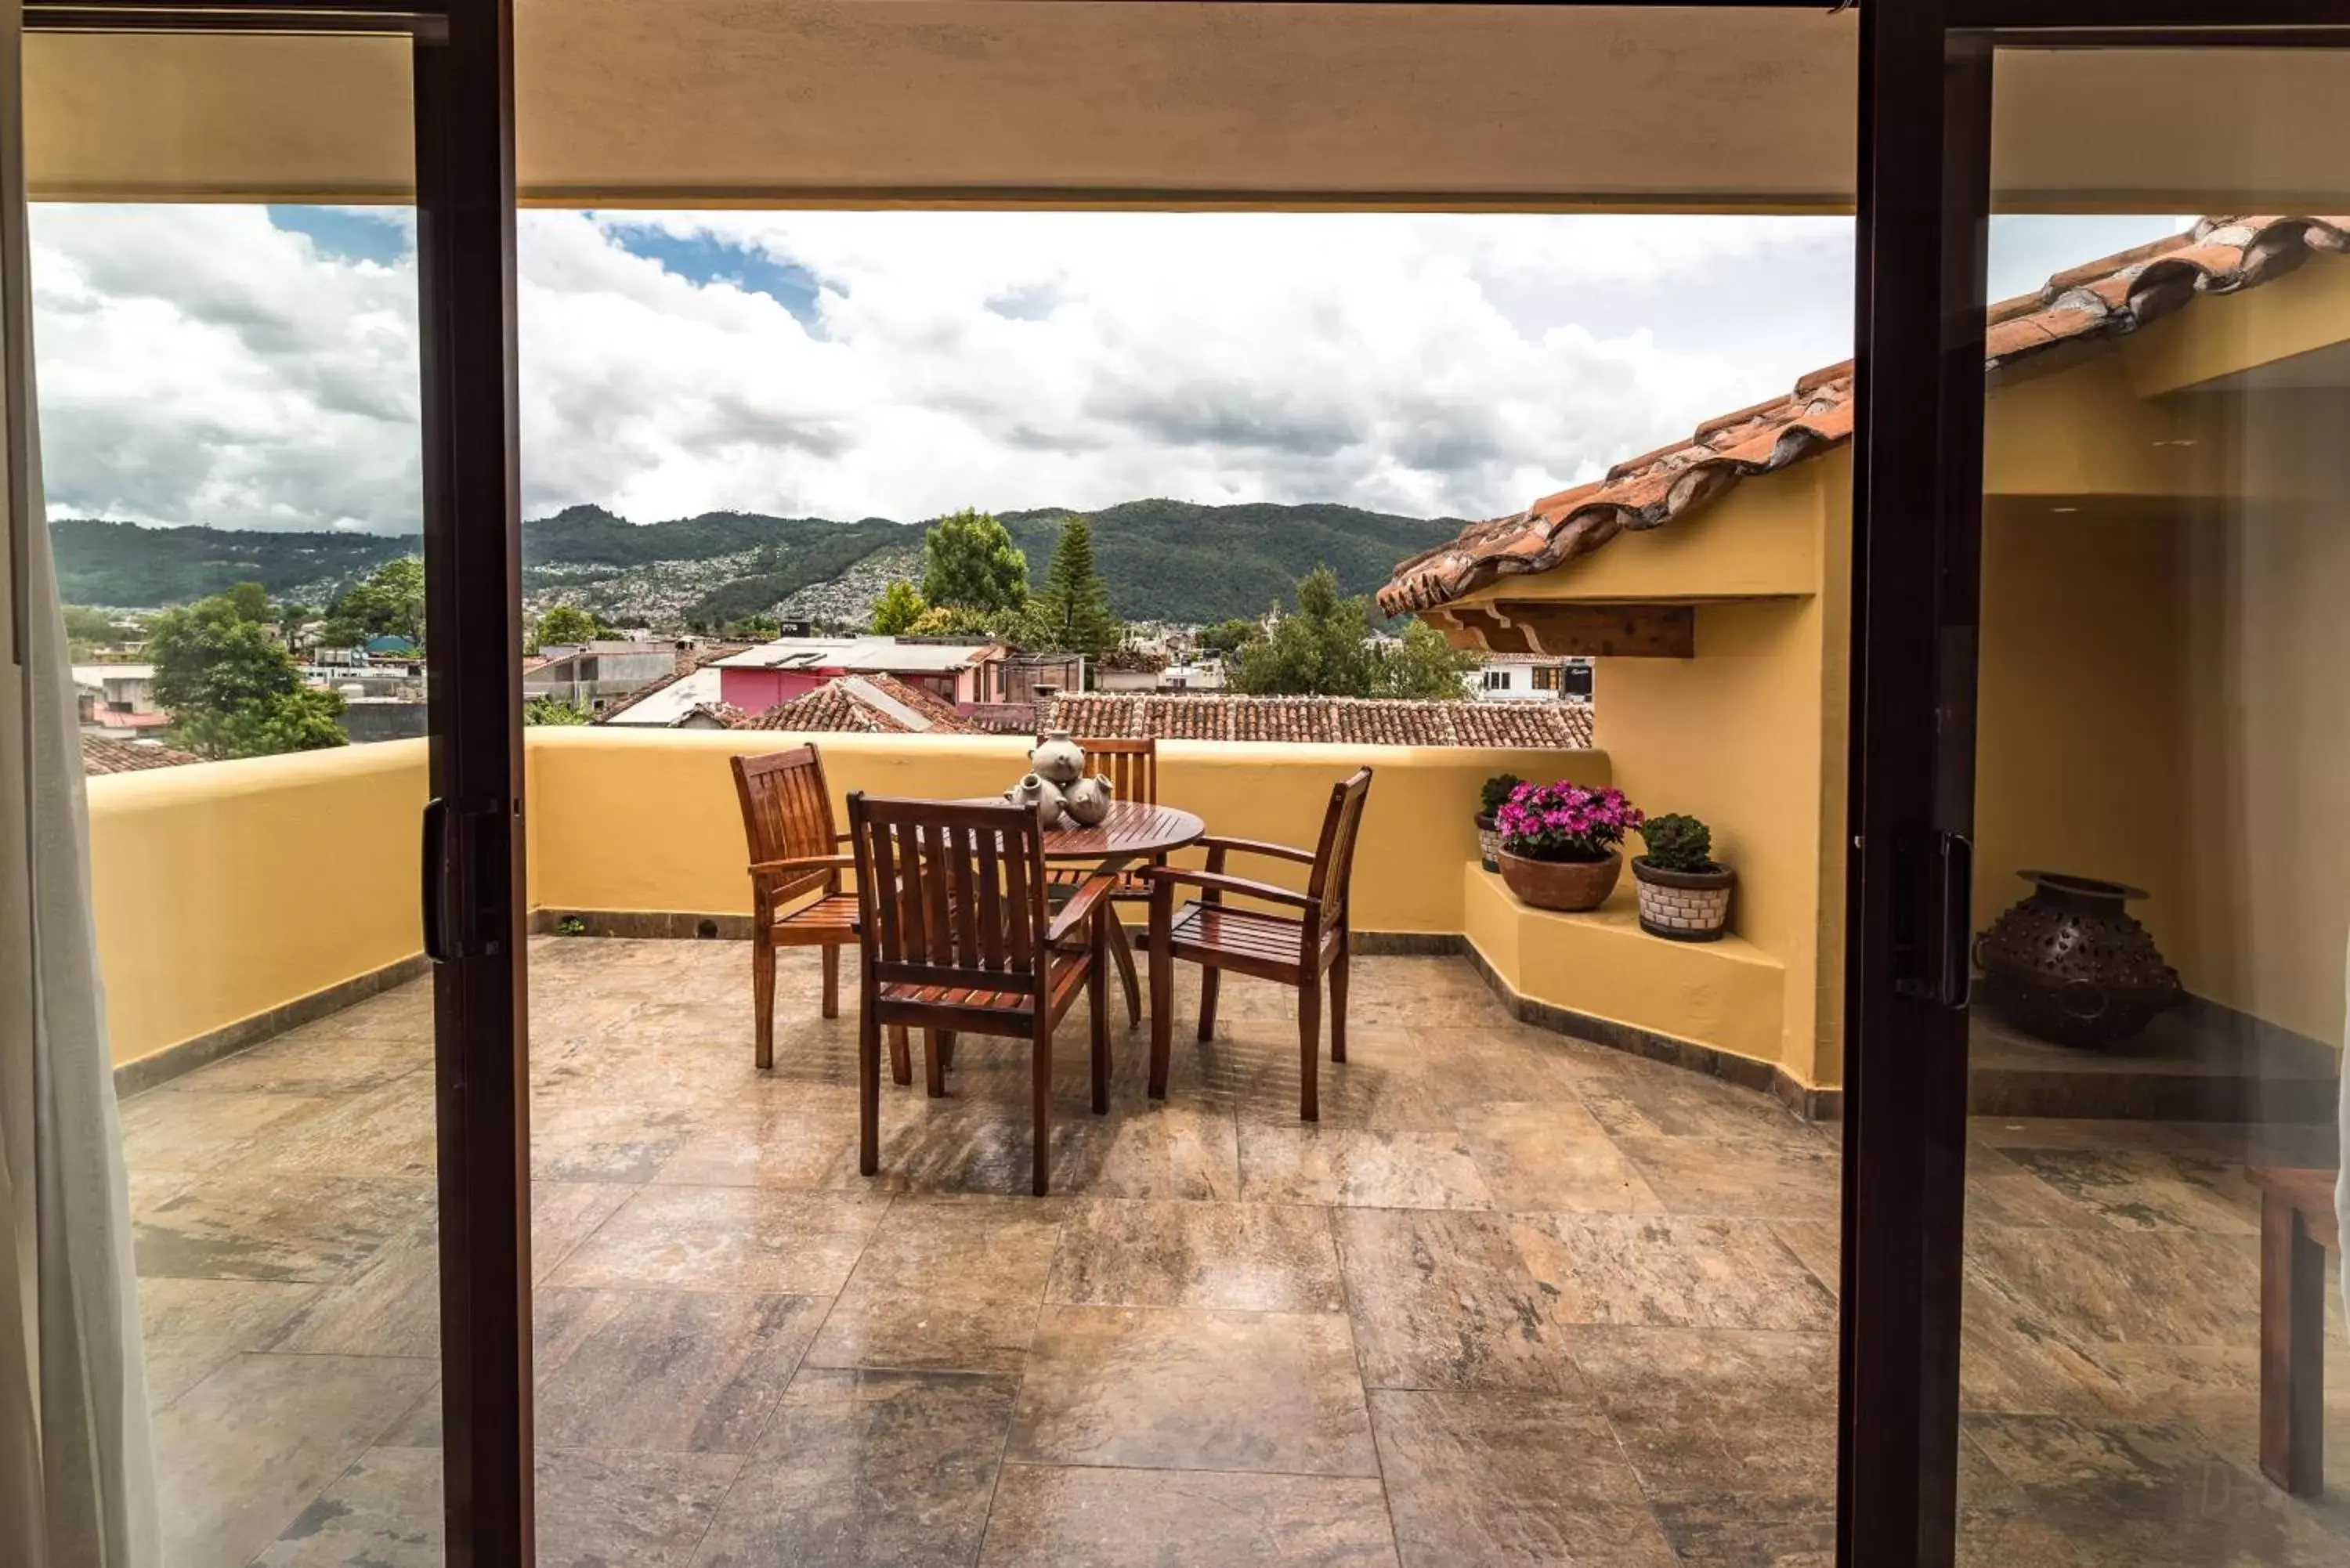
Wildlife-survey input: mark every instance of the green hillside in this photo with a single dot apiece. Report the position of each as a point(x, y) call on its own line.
point(127, 565)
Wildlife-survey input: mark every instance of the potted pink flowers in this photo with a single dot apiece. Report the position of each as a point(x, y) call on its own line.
point(1559, 843)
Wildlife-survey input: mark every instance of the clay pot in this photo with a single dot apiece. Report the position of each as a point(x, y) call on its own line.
point(1039, 795)
point(2068, 964)
point(1489, 844)
point(1683, 905)
point(1088, 800)
point(1566, 885)
point(1057, 759)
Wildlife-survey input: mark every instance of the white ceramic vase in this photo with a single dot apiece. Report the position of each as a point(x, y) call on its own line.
point(1088, 800)
point(1040, 795)
point(1057, 759)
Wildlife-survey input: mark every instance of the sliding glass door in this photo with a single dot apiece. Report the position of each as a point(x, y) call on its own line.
point(271, 285)
point(2103, 760)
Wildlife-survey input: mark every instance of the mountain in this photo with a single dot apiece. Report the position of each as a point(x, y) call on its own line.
point(1161, 560)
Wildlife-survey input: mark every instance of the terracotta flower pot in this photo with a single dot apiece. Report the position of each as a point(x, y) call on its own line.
point(1566, 885)
point(1683, 905)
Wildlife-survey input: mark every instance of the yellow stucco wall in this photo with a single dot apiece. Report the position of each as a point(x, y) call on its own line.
point(225, 890)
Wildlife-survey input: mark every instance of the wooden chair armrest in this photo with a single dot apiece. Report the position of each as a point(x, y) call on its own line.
point(804, 863)
point(1256, 846)
point(1079, 907)
point(1215, 882)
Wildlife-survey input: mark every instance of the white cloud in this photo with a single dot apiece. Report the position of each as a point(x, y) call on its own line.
point(199, 364)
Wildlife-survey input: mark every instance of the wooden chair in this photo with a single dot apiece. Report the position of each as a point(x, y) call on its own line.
point(2297, 1228)
point(957, 936)
point(787, 820)
point(1295, 950)
point(1132, 769)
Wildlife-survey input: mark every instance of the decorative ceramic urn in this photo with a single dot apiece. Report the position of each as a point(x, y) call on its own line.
point(1088, 800)
point(1057, 759)
point(1040, 795)
point(2069, 964)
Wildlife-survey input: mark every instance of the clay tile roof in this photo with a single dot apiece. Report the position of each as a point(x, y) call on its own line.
point(871, 704)
point(2101, 300)
point(1344, 721)
point(105, 754)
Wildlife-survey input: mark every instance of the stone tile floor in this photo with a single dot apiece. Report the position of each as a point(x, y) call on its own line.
point(1516, 1300)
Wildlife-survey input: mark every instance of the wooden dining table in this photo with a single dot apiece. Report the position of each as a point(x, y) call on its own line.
point(1134, 832)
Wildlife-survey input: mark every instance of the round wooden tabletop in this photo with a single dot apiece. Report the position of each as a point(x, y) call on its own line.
point(1132, 831)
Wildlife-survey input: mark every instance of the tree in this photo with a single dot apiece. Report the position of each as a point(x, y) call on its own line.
point(388, 602)
point(762, 626)
point(87, 630)
point(1321, 648)
point(898, 608)
point(956, 621)
point(1072, 615)
point(971, 563)
point(1424, 665)
point(250, 601)
point(564, 624)
point(1229, 637)
point(548, 708)
point(232, 689)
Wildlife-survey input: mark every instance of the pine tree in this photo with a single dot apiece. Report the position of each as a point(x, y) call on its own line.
point(1072, 614)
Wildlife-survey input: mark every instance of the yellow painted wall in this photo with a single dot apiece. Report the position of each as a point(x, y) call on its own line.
point(224, 890)
point(649, 822)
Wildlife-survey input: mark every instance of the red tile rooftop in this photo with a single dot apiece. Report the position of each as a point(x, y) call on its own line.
point(1345, 721)
point(2101, 300)
point(105, 754)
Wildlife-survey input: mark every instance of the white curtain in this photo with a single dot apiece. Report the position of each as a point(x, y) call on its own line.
point(77, 1470)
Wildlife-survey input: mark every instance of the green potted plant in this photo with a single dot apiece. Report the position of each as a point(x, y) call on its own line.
point(1558, 844)
point(1684, 891)
point(1495, 795)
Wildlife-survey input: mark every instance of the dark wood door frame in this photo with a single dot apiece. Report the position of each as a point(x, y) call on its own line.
point(462, 84)
point(1925, 198)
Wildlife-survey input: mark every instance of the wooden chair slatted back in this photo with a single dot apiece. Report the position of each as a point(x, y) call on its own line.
point(1333, 857)
point(1132, 766)
point(953, 895)
point(787, 815)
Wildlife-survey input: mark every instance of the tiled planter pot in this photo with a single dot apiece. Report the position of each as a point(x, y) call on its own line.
point(1683, 905)
point(1489, 845)
point(1565, 885)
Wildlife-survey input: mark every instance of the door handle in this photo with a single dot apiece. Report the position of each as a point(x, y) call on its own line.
point(463, 904)
point(1933, 891)
point(436, 879)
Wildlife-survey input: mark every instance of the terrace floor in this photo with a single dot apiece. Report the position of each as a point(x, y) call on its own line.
point(1517, 1300)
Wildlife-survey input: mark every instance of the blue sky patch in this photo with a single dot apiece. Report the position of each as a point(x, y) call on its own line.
point(704, 258)
point(351, 234)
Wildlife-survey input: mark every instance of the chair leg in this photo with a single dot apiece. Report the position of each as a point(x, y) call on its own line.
point(902, 1056)
point(1339, 998)
point(1097, 1005)
point(1309, 1048)
point(1041, 1089)
point(1162, 999)
point(1210, 976)
point(934, 1060)
point(1121, 947)
point(832, 981)
point(763, 1002)
point(868, 1092)
point(947, 1046)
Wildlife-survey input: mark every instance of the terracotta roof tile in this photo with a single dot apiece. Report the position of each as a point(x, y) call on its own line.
point(1344, 721)
point(869, 704)
point(105, 754)
point(2103, 299)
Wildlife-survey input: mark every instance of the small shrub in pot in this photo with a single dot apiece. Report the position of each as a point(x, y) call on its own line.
point(1491, 799)
point(1684, 891)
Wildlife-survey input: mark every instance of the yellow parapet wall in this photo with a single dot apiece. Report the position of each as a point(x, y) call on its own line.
point(226, 891)
point(648, 821)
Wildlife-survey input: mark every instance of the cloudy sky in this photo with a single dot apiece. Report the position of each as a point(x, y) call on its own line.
point(251, 367)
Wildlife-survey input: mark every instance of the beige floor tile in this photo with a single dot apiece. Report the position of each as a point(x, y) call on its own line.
point(665, 1371)
point(1359, 1167)
point(1181, 1389)
point(1707, 1415)
point(382, 1513)
point(1670, 1271)
point(1240, 1257)
point(754, 1239)
point(1547, 1157)
point(1442, 1300)
point(1064, 1516)
point(1743, 1179)
point(946, 1284)
point(190, 1328)
point(254, 1225)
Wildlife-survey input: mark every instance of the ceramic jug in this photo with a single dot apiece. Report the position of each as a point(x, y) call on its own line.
point(1057, 759)
point(1040, 795)
point(1088, 800)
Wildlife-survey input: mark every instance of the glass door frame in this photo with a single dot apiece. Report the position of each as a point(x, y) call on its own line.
point(1924, 219)
point(473, 894)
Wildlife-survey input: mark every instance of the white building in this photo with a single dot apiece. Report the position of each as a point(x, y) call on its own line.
point(1529, 678)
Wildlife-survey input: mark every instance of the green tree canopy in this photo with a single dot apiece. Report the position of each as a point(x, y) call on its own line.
point(249, 601)
point(971, 563)
point(232, 689)
point(898, 608)
point(564, 624)
point(387, 602)
point(956, 621)
point(1229, 637)
point(1072, 614)
point(547, 708)
point(1320, 649)
point(1425, 665)
point(88, 629)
